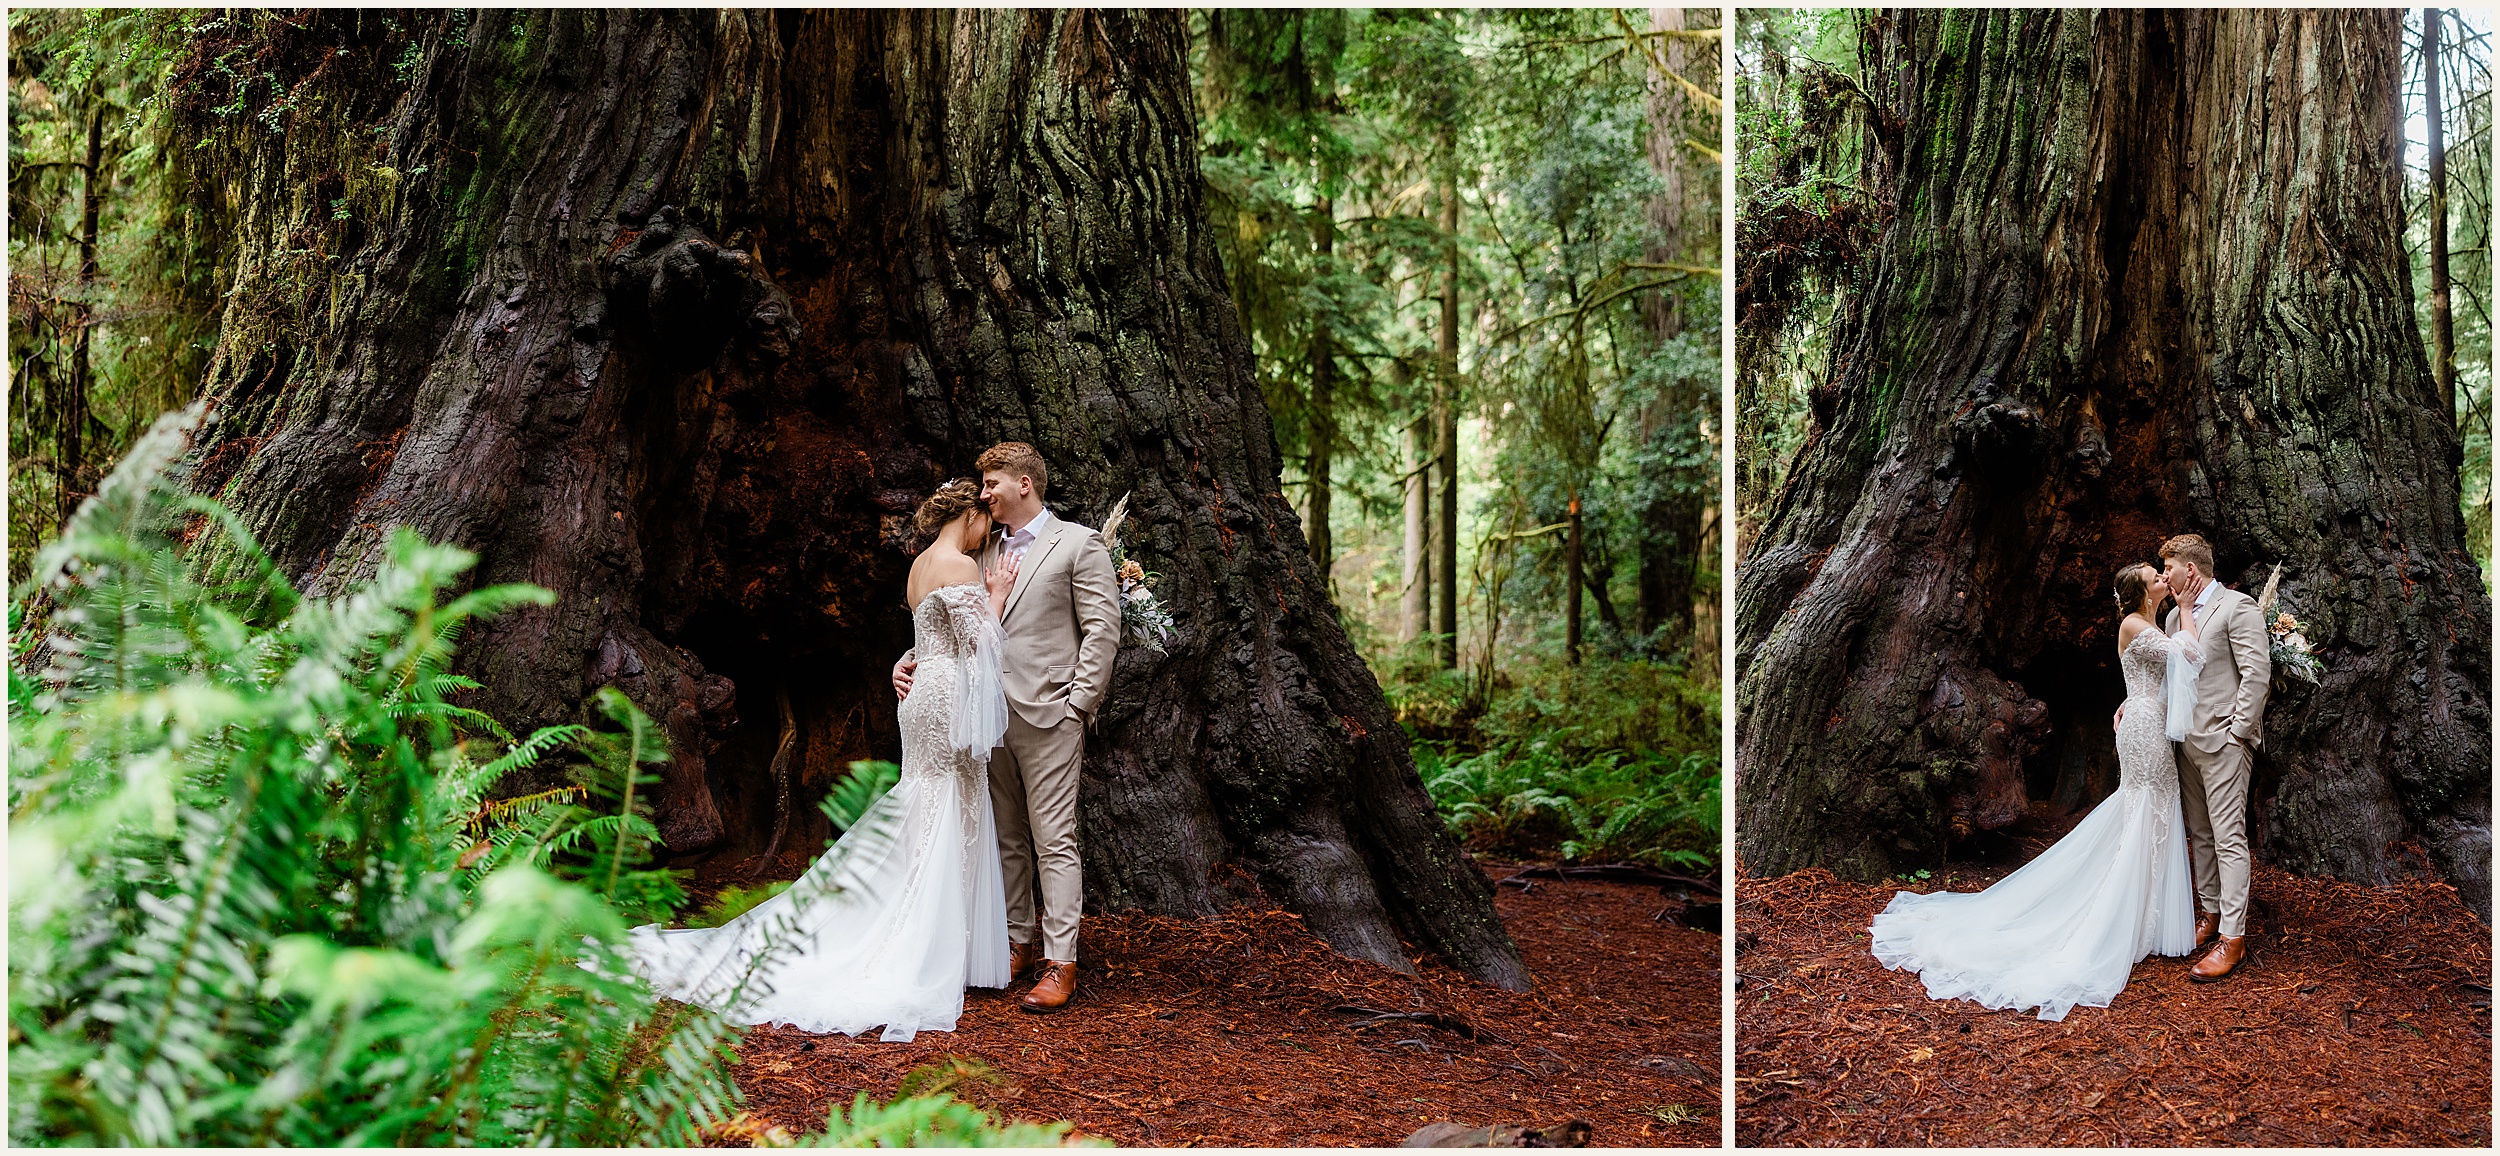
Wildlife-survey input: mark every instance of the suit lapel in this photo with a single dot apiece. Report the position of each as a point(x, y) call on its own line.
point(2213, 618)
point(1034, 556)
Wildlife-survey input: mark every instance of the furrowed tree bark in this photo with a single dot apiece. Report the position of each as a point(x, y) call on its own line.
point(681, 313)
point(2145, 277)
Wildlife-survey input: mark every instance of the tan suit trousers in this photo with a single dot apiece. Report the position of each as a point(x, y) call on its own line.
point(2213, 795)
point(1033, 781)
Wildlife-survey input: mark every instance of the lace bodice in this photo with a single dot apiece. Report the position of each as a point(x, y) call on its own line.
point(2145, 759)
point(956, 710)
point(948, 621)
point(2143, 663)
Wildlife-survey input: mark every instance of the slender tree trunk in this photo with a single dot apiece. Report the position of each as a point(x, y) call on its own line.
point(1445, 409)
point(1415, 596)
point(75, 477)
point(1323, 432)
point(680, 313)
point(2146, 277)
point(1669, 545)
point(2443, 331)
point(1571, 587)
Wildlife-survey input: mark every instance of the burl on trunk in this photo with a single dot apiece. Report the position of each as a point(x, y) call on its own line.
point(679, 313)
point(2143, 275)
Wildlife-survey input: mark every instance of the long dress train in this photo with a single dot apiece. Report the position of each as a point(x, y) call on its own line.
point(907, 908)
point(2066, 928)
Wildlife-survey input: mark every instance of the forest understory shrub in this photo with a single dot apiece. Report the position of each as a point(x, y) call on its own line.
point(1608, 761)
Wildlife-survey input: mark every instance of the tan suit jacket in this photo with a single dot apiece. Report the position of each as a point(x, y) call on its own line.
point(2238, 669)
point(1062, 624)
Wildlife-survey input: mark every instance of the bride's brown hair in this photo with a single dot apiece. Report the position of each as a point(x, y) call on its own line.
point(947, 504)
point(2129, 587)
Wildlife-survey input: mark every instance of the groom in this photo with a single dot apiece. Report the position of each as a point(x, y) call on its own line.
point(1062, 626)
point(2222, 735)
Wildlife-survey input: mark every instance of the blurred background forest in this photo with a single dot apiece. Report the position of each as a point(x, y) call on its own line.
point(1796, 70)
point(1476, 255)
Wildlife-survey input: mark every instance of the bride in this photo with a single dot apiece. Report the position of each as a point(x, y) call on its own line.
point(907, 909)
point(2067, 927)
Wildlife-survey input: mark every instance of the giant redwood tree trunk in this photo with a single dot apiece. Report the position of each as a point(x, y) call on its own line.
point(680, 313)
point(2143, 277)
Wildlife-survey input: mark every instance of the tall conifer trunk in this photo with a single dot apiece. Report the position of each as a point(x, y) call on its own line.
point(1323, 431)
point(74, 477)
point(1415, 593)
point(679, 313)
point(2145, 276)
point(1671, 549)
point(1445, 413)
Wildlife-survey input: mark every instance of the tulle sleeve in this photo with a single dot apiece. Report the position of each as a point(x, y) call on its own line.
point(2179, 681)
point(981, 706)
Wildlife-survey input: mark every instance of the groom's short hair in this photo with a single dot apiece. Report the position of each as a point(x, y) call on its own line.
point(1016, 459)
point(2191, 548)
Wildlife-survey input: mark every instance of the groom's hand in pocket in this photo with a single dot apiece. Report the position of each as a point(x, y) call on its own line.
point(902, 678)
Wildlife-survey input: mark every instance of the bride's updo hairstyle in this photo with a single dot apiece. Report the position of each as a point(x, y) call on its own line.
point(2129, 587)
point(947, 504)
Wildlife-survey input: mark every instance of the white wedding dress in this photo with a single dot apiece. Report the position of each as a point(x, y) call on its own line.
point(2067, 927)
point(907, 909)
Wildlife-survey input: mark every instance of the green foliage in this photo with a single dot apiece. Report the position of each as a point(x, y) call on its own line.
point(1531, 798)
point(938, 1121)
point(1587, 369)
point(849, 800)
point(733, 902)
point(947, 1074)
point(1803, 227)
point(93, 356)
point(924, 1114)
point(1580, 762)
point(239, 909)
point(1604, 704)
point(598, 830)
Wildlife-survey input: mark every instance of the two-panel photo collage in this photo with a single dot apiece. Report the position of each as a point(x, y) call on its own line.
point(1282, 578)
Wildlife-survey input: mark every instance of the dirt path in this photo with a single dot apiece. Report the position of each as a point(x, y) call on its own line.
point(1224, 1032)
point(2365, 1020)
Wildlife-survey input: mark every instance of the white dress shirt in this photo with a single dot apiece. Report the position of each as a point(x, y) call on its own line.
point(1022, 539)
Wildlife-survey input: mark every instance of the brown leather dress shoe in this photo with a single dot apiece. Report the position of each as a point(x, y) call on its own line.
point(1051, 992)
point(2228, 953)
point(1020, 959)
point(2207, 924)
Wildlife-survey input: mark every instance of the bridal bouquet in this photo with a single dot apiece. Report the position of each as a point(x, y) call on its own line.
point(1142, 619)
point(2287, 646)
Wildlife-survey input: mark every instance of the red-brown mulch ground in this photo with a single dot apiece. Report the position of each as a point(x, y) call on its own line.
point(1223, 1032)
point(2364, 1020)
